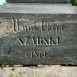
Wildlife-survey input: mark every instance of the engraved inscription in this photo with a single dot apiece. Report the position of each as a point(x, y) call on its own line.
point(35, 54)
point(39, 41)
point(43, 26)
point(16, 24)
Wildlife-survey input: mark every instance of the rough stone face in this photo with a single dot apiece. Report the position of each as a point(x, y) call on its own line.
point(33, 37)
point(45, 71)
point(38, 1)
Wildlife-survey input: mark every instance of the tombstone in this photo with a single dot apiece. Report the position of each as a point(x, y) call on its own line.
point(33, 34)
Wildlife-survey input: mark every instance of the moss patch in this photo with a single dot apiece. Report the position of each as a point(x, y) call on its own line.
point(13, 73)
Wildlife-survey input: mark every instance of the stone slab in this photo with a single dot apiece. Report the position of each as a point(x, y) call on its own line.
point(38, 38)
point(46, 71)
point(37, 1)
point(38, 8)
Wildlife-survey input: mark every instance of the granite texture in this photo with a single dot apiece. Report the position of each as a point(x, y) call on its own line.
point(32, 34)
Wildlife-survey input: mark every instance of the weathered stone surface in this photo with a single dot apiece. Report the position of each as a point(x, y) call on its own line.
point(45, 71)
point(38, 8)
point(38, 1)
point(38, 38)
